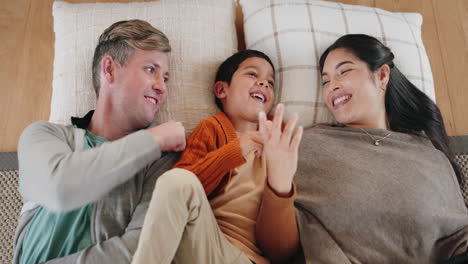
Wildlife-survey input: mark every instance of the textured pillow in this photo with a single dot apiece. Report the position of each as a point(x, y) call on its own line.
point(202, 34)
point(294, 33)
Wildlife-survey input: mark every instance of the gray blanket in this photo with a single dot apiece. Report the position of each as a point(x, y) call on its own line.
point(398, 202)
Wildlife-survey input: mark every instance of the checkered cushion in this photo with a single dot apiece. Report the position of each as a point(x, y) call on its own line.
point(10, 206)
point(294, 33)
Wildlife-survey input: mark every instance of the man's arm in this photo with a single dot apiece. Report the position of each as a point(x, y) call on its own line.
point(120, 249)
point(56, 176)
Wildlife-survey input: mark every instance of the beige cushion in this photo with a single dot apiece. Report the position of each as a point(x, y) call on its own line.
point(202, 34)
point(294, 33)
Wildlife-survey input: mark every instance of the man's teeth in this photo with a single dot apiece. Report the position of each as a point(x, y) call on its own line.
point(151, 100)
point(259, 96)
point(341, 99)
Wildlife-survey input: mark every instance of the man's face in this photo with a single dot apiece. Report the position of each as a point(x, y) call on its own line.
point(140, 87)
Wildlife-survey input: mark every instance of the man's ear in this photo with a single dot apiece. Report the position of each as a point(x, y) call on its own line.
point(108, 67)
point(383, 76)
point(220, 89)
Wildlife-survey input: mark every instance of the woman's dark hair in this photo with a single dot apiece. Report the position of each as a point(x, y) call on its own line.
point(230, 65)
point(408, 109)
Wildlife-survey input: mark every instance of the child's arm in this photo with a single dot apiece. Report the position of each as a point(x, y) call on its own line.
point(276, 229)
point(277, 209)
point(203, 157)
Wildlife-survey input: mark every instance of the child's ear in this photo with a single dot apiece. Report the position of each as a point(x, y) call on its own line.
point(220, 89)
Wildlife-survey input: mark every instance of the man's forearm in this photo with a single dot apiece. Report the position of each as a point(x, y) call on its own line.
point(61, 179)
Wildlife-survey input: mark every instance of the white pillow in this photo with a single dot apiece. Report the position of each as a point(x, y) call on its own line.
point(202, 35)
point(294, 33)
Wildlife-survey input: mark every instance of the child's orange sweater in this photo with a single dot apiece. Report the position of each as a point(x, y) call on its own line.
point(212, 153)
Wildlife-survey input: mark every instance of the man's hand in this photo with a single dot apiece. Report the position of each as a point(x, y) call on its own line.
point(170, 136)
point(280, 149)
point(251, 141)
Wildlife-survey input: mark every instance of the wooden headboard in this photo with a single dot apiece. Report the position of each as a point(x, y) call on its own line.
point(26, 32)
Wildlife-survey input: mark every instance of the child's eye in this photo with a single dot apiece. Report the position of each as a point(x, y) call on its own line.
point(252, 74)
point(150, 70)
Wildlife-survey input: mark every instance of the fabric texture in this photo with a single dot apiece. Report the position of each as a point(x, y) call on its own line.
point(398, 202)
point(52, 235)
point(212, 153)
point(180, 226)
point(202, 34)
point(10, 206)
point(119, 183)
point(294, 33)
point(236, 209)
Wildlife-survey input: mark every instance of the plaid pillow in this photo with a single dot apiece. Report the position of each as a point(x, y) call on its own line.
point(294, 33)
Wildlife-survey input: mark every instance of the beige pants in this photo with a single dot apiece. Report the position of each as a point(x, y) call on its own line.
point(180, 227)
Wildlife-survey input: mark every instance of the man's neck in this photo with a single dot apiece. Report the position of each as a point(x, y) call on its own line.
point(105, 125)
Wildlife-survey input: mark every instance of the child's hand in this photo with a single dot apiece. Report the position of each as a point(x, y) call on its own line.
point(280, 149)
point(170, 136)
point(251, 141)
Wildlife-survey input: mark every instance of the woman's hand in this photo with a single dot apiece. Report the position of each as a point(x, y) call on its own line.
point(280, 149)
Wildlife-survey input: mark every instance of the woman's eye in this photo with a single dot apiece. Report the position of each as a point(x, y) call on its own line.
point(345, 71)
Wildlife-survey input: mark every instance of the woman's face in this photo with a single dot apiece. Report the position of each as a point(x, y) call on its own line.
point(354, 94)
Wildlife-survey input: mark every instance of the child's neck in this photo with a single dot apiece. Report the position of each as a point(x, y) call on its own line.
point(242, 125)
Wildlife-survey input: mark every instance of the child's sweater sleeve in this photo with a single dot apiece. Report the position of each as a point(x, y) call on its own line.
point(276, 230)
point(203, 157)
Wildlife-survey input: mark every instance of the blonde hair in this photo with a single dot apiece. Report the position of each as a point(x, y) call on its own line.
point(120, 41)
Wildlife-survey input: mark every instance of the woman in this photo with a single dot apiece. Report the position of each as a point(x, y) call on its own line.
point(382, 186)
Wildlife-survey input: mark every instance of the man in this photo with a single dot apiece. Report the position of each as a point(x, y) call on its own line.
point(87, 187)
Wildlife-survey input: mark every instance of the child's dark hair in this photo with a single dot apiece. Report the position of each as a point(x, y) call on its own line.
point(408, 109)
point(231, 64)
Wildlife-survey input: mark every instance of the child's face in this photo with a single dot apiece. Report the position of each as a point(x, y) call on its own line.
point(250, 91)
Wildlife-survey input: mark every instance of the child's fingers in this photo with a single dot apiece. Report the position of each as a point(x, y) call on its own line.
point(296, 140)
point(289, 128)
point(277, 119)
point(257, 137)
point(262, 125)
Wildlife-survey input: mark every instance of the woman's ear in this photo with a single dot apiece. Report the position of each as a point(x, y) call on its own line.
point(220, 89)
point(383, 76)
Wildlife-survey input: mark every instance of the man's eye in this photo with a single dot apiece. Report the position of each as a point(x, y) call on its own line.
point(150, 70)
point(325, 83)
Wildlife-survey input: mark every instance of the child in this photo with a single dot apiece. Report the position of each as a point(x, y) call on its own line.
point(231, 155)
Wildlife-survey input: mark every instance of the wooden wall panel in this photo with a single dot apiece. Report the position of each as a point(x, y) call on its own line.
point(26, 52)
point(450, 17)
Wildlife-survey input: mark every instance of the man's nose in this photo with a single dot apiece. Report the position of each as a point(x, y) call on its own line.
point(159, 85)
